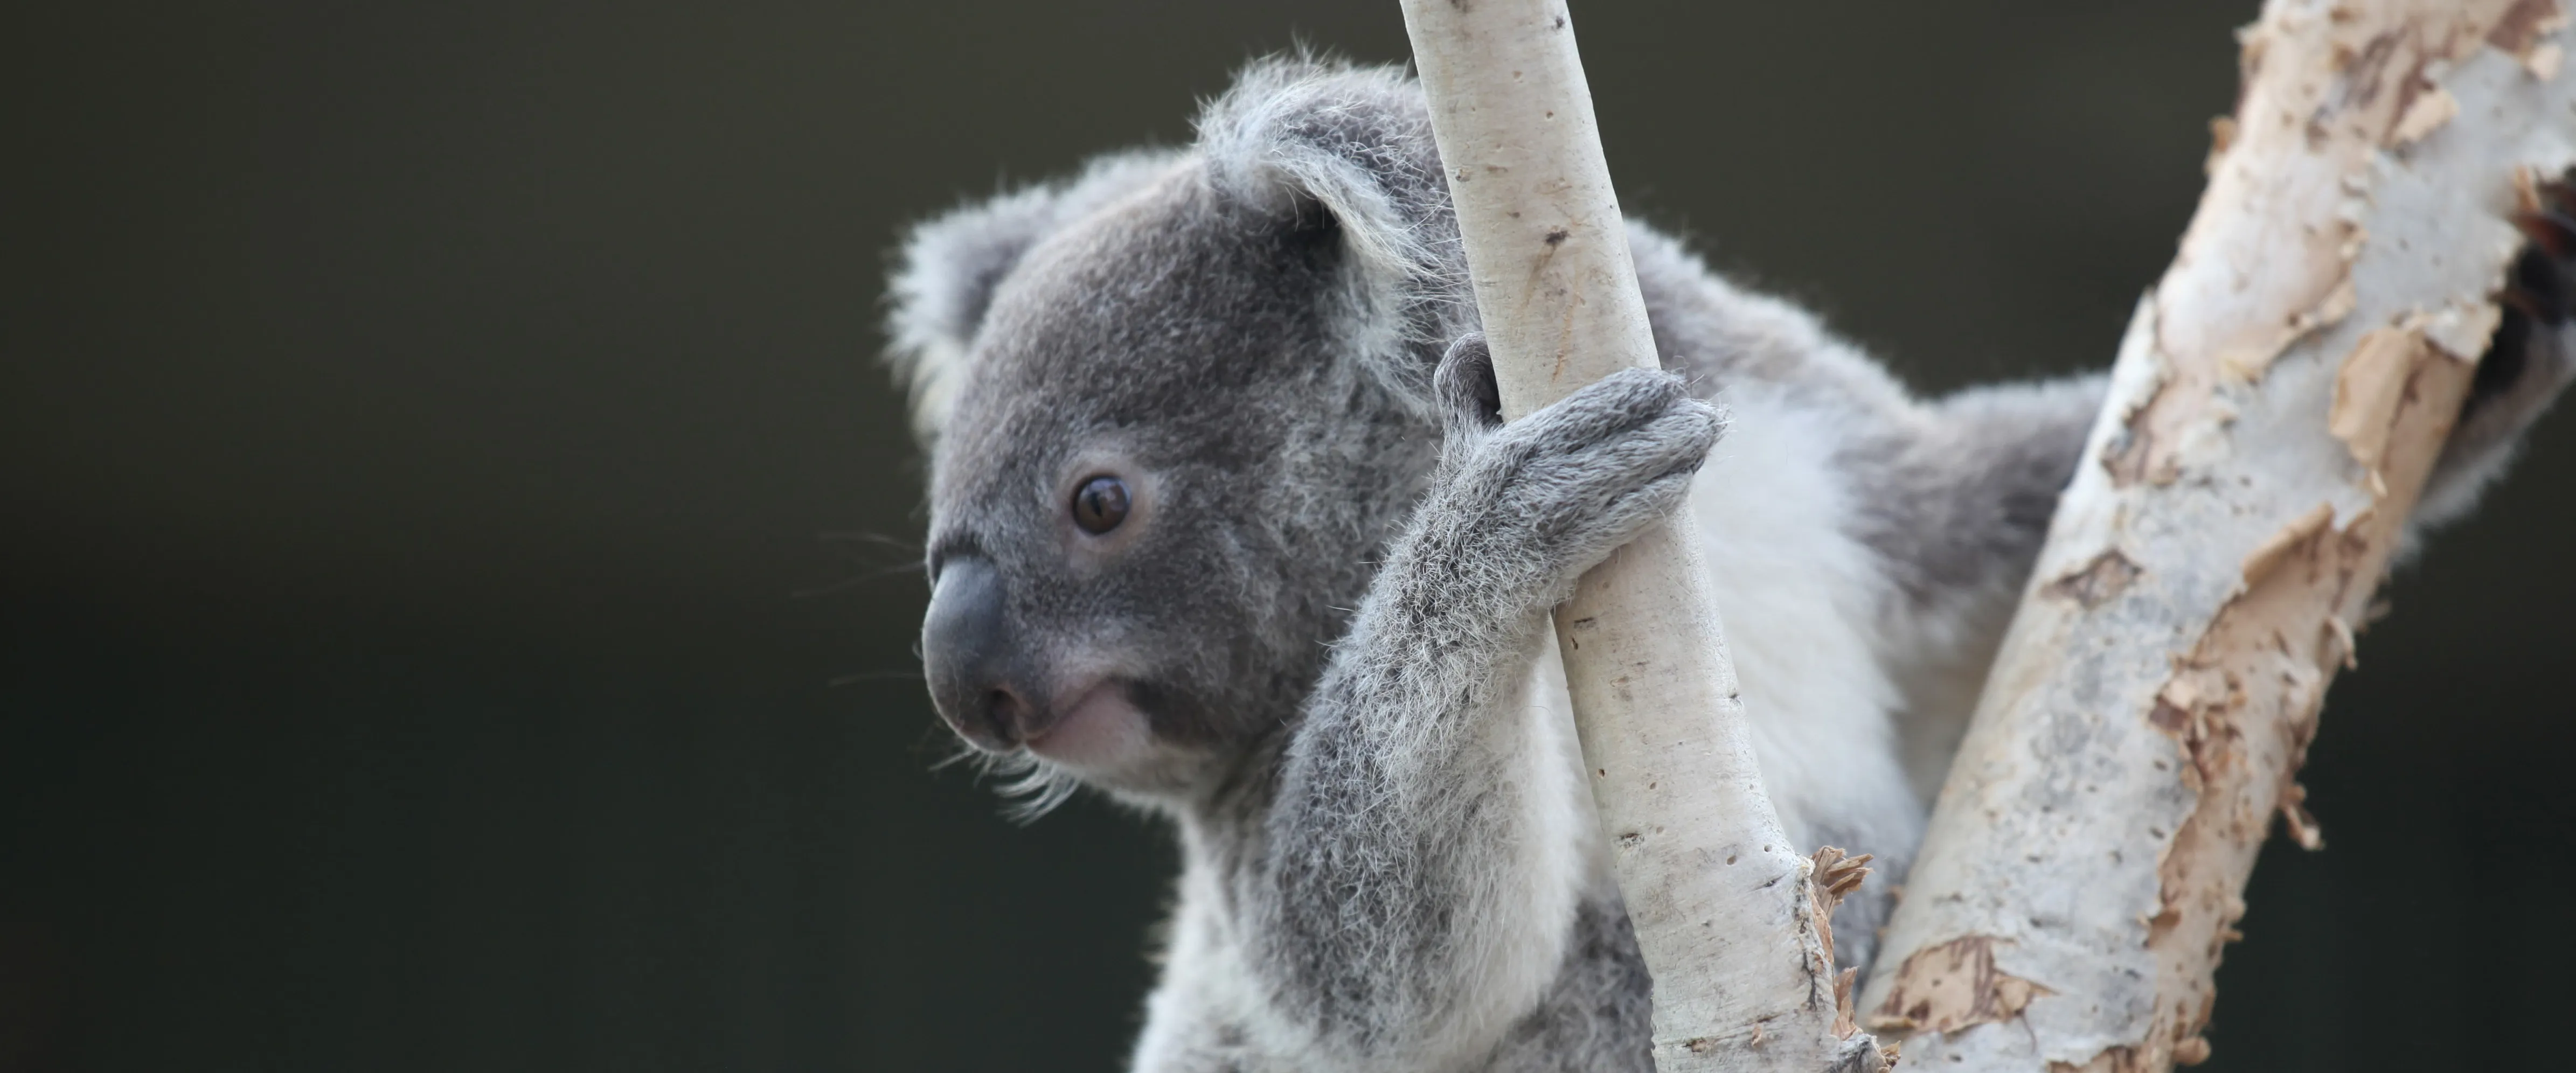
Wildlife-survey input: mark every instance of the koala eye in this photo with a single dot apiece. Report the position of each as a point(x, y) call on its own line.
point(1100, 504)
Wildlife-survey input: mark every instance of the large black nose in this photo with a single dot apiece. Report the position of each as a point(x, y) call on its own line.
point(977, 668)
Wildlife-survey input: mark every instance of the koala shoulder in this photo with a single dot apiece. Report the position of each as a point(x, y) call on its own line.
point(1719, 333)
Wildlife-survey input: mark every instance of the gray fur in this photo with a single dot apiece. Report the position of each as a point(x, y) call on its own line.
point(1327, 608)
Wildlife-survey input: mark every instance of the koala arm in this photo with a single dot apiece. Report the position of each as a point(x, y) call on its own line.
point(1958, 501)
point(2009, 433)
point(1422, 862)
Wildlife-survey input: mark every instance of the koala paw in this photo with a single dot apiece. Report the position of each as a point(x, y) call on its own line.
point(1530, 505)
point(2531, 358)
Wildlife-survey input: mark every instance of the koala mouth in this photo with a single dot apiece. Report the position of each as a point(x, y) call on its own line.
point(1097, 725)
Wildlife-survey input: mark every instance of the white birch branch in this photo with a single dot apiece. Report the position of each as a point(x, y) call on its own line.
point(1743, 973)
point(2277, 404)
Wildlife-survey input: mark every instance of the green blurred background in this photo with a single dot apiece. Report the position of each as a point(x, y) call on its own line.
point(455, 609)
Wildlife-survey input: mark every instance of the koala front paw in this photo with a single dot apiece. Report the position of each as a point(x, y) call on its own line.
point(1531, 504)
point(2530, 359)
point(2528, 363)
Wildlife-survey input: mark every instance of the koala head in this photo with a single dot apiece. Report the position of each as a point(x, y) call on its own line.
point(1174, 407)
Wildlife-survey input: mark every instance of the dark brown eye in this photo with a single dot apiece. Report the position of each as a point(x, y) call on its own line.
point(1100, 504)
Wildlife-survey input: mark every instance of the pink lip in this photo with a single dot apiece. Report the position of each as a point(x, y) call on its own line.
point(1081, 705)
point(1099, 725)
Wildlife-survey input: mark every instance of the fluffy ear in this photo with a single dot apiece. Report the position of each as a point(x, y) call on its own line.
point(1296, 135)
point(1330, 144)
point(948, 266)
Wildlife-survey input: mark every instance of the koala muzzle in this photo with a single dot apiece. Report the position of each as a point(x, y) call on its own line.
point(979, 674)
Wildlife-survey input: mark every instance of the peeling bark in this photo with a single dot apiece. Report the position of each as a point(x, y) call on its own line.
point(1742, 961)
point(2278, 402)
point(1952, 986)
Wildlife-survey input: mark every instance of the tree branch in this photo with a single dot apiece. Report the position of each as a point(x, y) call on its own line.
point(1743, 970)
point(2277, 404)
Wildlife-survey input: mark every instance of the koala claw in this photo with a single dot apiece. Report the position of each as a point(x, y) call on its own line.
point(1469, 398)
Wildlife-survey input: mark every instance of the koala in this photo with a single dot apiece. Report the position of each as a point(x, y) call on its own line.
point(1223, 525)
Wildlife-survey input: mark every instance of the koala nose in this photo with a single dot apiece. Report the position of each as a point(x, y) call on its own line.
point(976, 671)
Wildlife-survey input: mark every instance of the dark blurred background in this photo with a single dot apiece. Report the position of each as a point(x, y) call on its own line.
point(455, 607)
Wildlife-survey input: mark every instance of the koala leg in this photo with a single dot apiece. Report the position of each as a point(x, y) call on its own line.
point(1422, 863)
point(2530, 360)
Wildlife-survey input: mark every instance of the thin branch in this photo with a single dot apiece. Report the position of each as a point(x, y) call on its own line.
point(1743, 973)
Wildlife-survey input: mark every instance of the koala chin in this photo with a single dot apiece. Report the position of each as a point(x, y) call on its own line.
point(1222, 523)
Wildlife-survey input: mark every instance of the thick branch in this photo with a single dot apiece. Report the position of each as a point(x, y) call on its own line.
point(2277, 404)
point(1743, 975)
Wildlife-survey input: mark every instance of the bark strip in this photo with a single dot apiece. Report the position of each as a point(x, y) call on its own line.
point(2277, 404)
point(1724, 908)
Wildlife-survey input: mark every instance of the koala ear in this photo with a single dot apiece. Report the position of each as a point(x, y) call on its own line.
point(1302, 138)
point(948, 267)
